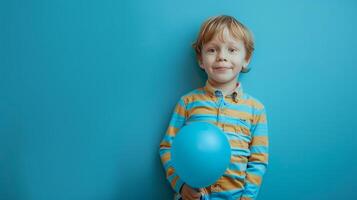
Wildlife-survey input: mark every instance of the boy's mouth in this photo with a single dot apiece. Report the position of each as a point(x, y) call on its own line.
point(221, 69)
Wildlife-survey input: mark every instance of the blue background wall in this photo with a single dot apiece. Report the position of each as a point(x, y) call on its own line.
point(87, 89)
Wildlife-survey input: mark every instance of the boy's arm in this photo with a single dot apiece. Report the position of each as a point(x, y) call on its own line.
point(258, 160)
point(177, 121)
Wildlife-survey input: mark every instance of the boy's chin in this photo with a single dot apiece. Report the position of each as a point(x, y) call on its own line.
point(223, 80)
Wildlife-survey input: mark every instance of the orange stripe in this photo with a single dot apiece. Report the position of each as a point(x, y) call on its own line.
point(259, 141)
point(197, 97)
point(243, 130)
point(234, 172)
point(238, 144)
point(258, 157)
point(239, 159)
point(227, 183)
point(180, 110)
point(255, 179)
point(165, 144)
point(259, 119)
point(238, 114)
point(235, 129)
point(171, 131)
point(165, 157)
point(173, 182)
point(252, 103)
point(203, 110)
point(170, 171)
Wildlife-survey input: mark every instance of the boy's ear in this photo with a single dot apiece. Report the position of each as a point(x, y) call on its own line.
point(200, 63)
point(247, 61)
point(245, 68)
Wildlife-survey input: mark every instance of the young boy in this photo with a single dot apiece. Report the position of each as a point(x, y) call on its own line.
point(224, 48)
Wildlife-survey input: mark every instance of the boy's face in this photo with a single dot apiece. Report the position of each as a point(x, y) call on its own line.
point(223, 60)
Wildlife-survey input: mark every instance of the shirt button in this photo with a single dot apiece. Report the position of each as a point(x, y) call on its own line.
point(218, 93)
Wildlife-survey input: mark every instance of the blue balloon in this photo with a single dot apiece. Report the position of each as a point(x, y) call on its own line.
point(200, 154)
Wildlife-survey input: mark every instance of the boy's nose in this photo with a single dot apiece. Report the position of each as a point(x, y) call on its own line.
point(221, 59)
point(221, 56)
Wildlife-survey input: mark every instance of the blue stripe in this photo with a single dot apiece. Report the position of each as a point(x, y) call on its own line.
point(234, 136)
point(238, 148)
point(177, 121)
point(260, 129)
point(200, 103)
point(251, 190)
point(182, 103)
point(203, 117)
point(235, 121)
point(167, 165)
point(248, 96)
point(170, 178)
point(168, 138)
point(258, 149)
point(256, 168)
point(240, 152)
point(178, 184)
point(263, 124)
point(259, 111)
point(238, 166)
point(240, 107)
point(235, 176)
point(239, 136)
point(163, 151)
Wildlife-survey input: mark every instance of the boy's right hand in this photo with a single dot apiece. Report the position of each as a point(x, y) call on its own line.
point(188, 193)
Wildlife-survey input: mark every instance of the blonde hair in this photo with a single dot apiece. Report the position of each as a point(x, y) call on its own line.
point(215, 25)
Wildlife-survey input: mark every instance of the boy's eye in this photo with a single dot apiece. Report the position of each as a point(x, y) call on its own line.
point(211, 50)
point(232, 50)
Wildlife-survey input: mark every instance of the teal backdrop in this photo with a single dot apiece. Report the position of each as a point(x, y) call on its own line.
point(87, 89)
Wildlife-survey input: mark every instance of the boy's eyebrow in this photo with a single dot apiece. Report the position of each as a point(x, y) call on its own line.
point(216, 44)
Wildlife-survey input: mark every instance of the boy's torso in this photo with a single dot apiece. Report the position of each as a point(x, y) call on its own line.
point(235, 118)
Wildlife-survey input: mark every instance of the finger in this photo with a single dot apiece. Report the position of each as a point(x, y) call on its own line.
point(195, 191)
point(191, 198)
point(195, 195)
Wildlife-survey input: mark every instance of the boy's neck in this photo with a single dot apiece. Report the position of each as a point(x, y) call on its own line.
point(226, 88)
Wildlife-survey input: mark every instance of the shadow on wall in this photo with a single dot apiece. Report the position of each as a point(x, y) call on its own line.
point(146, 175)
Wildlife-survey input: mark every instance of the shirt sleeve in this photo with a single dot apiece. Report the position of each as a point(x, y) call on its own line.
point(258, 159)
point(176, 123)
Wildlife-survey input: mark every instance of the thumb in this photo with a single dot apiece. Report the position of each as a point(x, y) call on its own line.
point(203, 191)
point(195, 193)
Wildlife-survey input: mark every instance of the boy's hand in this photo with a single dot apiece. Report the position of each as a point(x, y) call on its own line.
point(188, 193)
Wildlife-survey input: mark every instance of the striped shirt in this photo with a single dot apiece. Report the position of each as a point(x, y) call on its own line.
point(243, 120)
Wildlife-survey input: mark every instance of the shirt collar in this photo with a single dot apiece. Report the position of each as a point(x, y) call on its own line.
point(236, 94)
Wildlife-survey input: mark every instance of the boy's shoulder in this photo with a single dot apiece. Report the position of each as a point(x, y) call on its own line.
point(193, 94)
point(197, 91)
point(253, 101)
